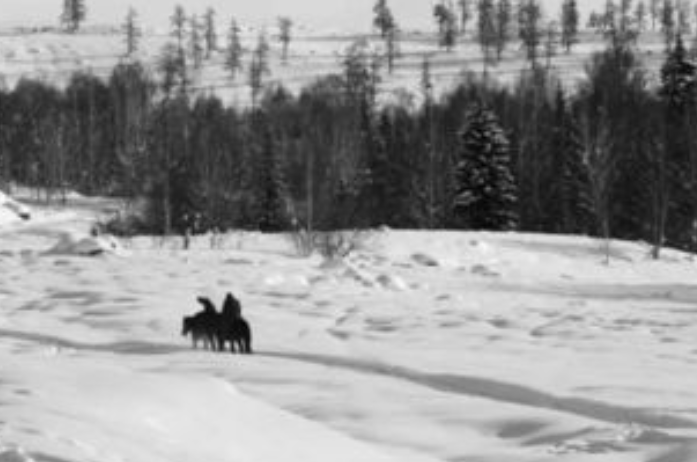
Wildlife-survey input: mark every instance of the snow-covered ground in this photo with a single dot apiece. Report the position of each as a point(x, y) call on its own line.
point(420, 347)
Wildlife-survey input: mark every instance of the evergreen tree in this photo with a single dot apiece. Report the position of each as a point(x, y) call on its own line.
point(211, 34)
point(654, 12)
point(640, 16)
point(233, 53)
point(173, 194)
point(178, 23)
point(259, 67)
point(618, 27)
point(569, 24)
point(551, 39)
point(684, 12)
point(594, 20)
point(678, 79)
point(626, 17)
point(678, 92)
point(271, 189)
point(387, 193)
point(132, 31)
point(570, 206)
point(392, 47)
point(196, 44)
point(383, 20)
point(428, 202)
point(486, 193)
point(360, 83)
point(530, 28)
point(668, 25)
point(487, 32)
point(131, 94)
point(285, 28)
point(447, 24)
point(74, 12)
point(172, 66)
point(465, 14)
point(504, 16)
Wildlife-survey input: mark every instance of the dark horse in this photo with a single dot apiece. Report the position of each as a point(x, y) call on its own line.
point(233, 328)
point(203, 325)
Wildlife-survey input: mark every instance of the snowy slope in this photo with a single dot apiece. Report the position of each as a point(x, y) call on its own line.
point(314, 52)
point(421, 347)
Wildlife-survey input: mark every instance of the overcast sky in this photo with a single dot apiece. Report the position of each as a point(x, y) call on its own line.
point(331, 14)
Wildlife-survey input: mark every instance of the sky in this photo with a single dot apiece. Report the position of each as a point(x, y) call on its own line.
point(330, 14)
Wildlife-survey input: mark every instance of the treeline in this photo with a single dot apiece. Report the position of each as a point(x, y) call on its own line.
point(614, 156)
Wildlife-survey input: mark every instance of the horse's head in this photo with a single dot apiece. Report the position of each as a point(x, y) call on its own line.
point(186, 325)
point(207, 304)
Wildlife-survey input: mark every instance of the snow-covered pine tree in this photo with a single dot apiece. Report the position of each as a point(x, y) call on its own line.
point(486, 193)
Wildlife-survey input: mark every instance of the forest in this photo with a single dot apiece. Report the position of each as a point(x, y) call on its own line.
point(612, 155)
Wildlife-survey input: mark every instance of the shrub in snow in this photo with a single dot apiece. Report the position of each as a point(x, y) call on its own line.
point(332, 245)
point(340, 244)
point(303, 241)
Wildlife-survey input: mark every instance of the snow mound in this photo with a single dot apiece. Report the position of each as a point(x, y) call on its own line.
point(359, 275)
point(347, 270)
point(293, 280)
point(14, 455)
point(393, 282)
point(11, 210)
point(609, 440)
point(70, 244)
point(483, 270)
point(425, 260)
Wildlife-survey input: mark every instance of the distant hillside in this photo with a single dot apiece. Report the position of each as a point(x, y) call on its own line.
point(52, 56)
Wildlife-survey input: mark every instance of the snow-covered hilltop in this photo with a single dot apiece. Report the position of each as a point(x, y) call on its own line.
point(419, 347)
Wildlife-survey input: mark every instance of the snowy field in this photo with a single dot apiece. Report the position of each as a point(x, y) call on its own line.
point(421, 347)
